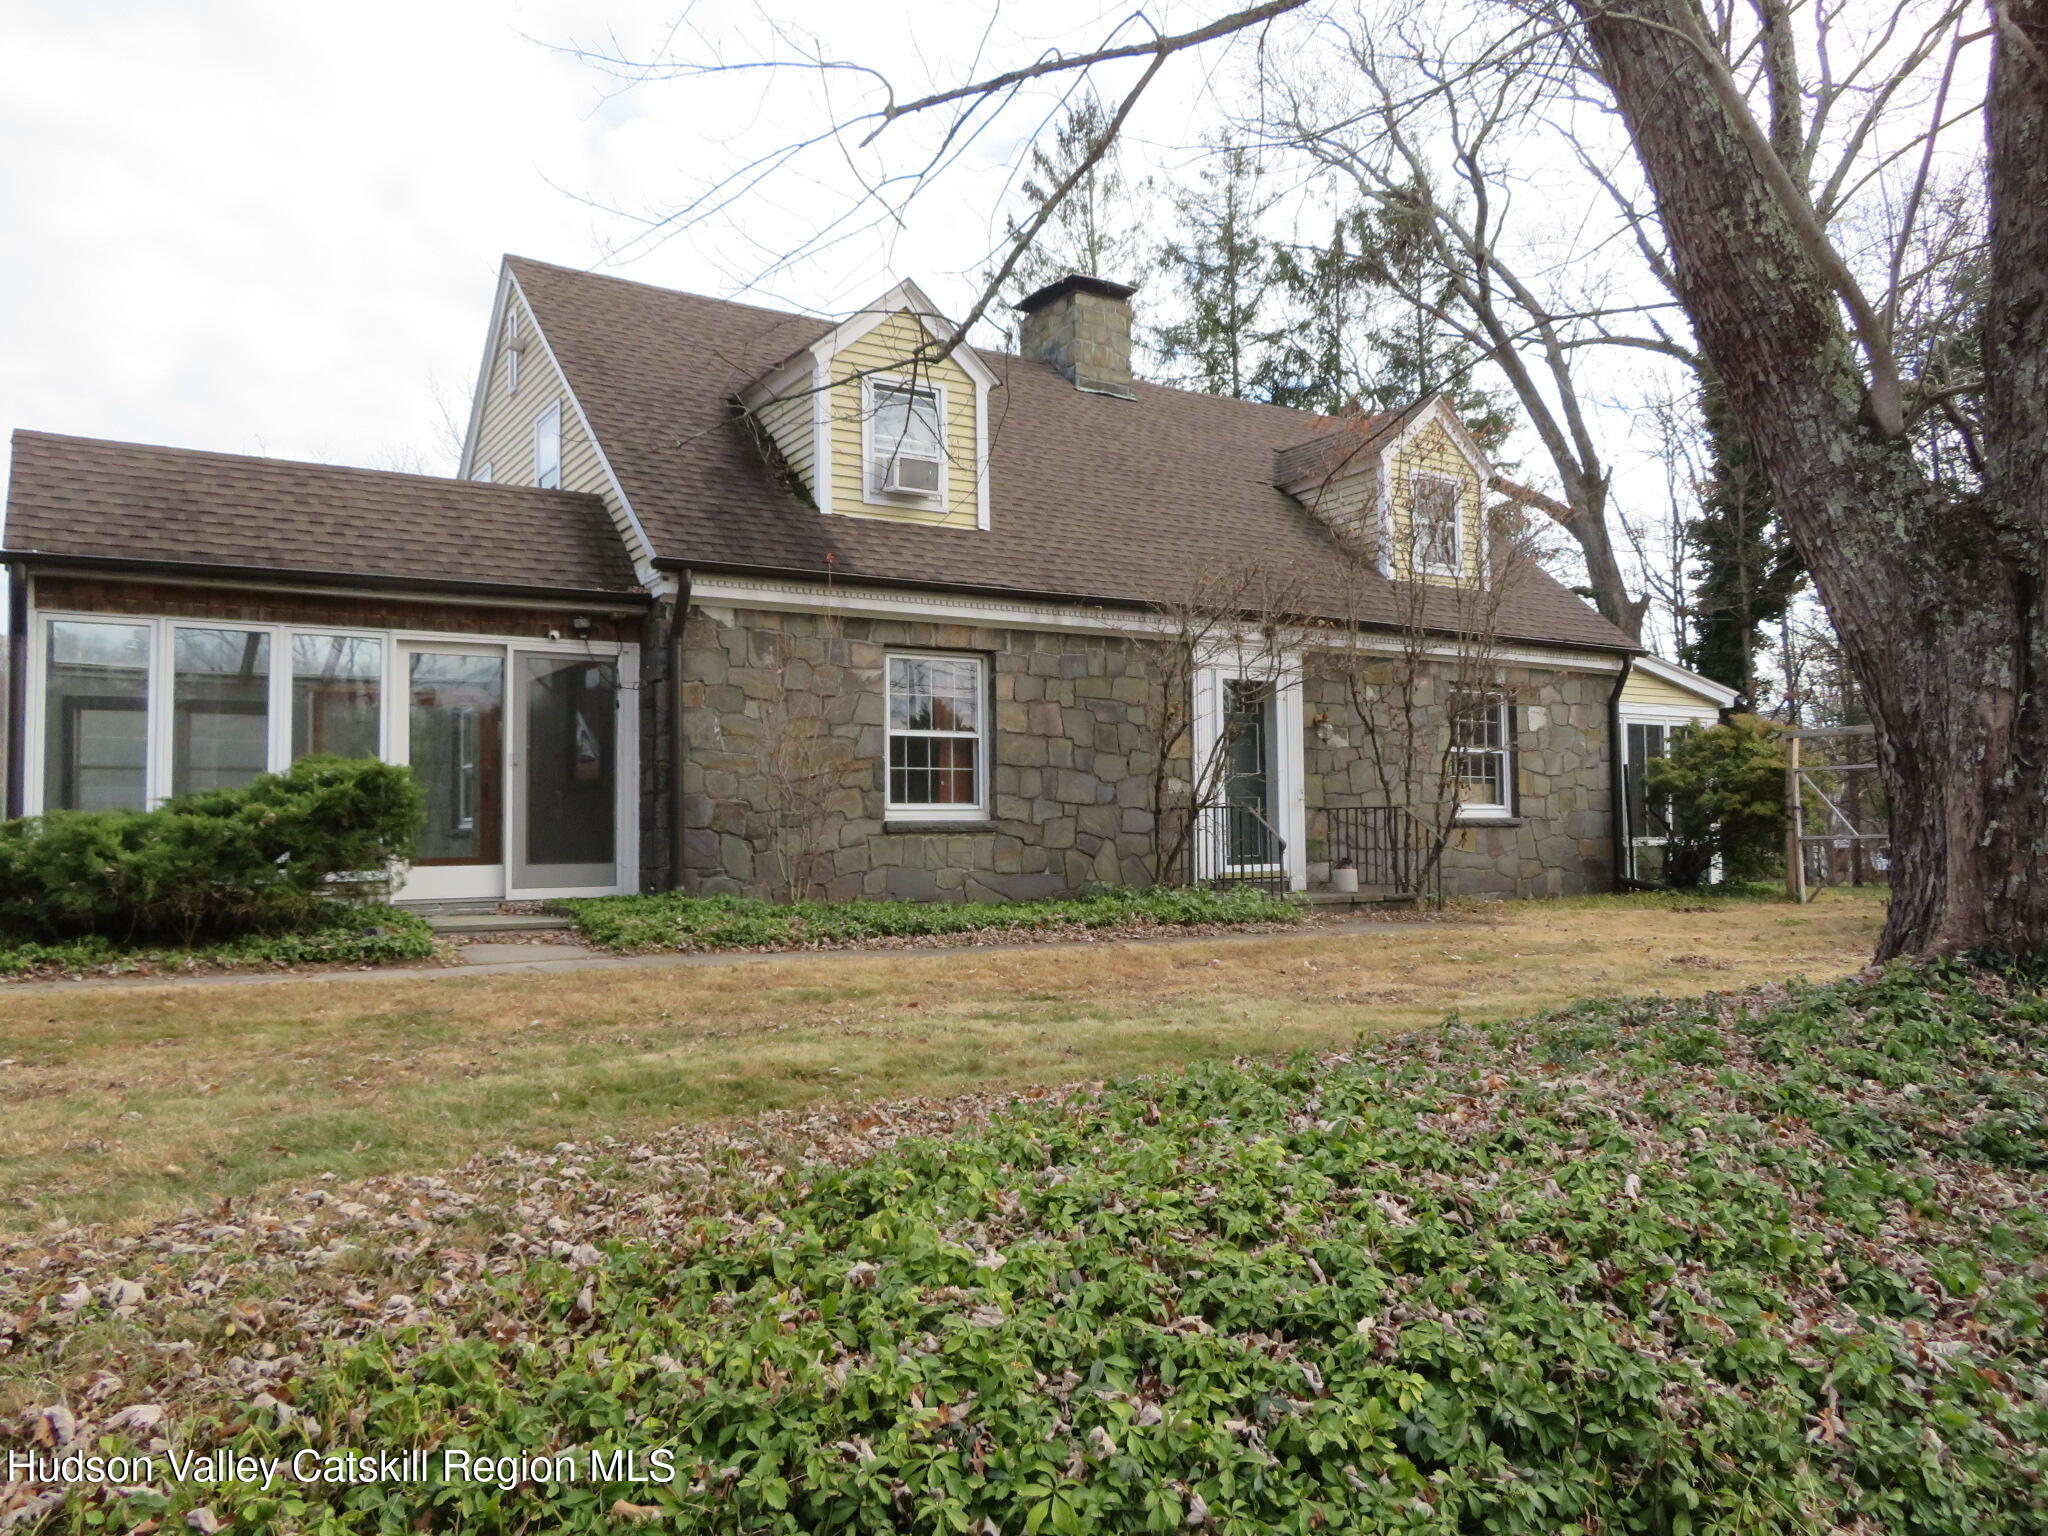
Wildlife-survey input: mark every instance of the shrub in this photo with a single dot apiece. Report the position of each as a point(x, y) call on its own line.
point(220, 862)
point(1726, 786)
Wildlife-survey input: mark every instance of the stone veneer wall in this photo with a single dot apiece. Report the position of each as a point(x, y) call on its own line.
point(1069, 780)
point(1560, 841)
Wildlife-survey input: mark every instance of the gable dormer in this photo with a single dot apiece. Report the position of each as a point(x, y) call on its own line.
point(1403, 489)
point(875, 423)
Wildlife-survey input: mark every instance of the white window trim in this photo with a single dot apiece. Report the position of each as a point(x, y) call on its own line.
point(1477, 811)
point(513, 347)
point(893, 810)
point(393, 712)
point(553, 414)
point(482, 474)
point(872, 494)
point(1416, 479)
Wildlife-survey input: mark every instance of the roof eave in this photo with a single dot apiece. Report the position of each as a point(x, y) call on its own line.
point(289, 576)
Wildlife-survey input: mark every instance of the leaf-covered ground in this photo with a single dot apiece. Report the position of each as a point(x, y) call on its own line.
point(1767, 1262)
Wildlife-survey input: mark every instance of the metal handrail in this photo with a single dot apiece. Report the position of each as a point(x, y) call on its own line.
point(1388, 844)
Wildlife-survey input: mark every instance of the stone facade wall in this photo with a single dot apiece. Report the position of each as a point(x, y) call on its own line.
point(1069, 780)
point(1558, 841)
point(1070, 775)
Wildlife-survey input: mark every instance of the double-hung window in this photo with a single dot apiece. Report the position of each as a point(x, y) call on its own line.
point(1435, 532)
point(906, 449)
point(547, 448)
point(937, 766)
point(1482, 765)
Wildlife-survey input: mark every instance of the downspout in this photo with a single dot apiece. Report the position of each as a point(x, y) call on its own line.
point(16, 798)
point(677, 619)
point(1617, 748)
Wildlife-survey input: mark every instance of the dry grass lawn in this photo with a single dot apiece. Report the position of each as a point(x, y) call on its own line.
point(120, 1103)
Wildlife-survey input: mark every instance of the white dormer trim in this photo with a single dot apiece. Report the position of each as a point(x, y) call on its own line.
point(639, 547)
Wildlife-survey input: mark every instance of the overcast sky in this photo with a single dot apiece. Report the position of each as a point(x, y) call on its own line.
point(267, 227)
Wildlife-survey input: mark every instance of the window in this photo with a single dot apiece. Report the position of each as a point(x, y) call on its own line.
point(1433, 514)
point(1482, 731)
point(96, 701)
point(220, 707)
point(513, 347)
point(935, 736)
point(337, 687)
point(482, 475)
point(905, 445)
point(547, 448)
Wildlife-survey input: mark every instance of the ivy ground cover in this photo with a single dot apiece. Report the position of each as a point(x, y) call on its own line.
point(1765, 1262)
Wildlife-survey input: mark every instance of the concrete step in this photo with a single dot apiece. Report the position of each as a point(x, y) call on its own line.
point(1364, 896)
point(463, 924)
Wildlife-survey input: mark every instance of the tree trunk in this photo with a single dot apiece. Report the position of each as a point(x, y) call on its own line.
point(1937, 602)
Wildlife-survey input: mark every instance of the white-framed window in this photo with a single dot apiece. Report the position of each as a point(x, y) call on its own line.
point(482, 474)
point(134, 710)
point(513, 347)
point(937, 763)
point(547, 448)
point(1436, 525)
point(906, 444)
point(1482, 756)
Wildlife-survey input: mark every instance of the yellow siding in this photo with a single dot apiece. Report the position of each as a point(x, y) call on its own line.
point(1430, 450)
point(1349, 507)
point(504, 427)
point(887, 347)
point(789, 423)
point(1644, 690)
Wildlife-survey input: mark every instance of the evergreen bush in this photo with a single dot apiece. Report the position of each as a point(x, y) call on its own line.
point(255, 859)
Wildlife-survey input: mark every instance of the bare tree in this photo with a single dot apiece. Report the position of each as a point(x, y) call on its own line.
point(1423, 694)
point(801, 766)
point(1430, 148)
point(1236, 611)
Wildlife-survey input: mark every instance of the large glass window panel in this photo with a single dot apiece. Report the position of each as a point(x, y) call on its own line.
point(570, 782)
point(337, 688)
point(457, 753)
point(220, 707)
point(96, 699)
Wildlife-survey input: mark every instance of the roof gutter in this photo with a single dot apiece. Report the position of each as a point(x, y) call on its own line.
point(1617, 750)
point(242, 575)
point(675, 565)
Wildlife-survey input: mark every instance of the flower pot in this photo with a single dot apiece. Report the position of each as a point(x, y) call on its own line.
point(1344, 880)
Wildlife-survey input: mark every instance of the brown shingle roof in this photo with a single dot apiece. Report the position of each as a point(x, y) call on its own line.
point(1091, 498)
point(86, 497)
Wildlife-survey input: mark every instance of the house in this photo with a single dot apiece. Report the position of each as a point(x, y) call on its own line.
point(729, 599)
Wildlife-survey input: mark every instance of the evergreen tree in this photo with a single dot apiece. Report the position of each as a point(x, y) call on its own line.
point(1376, 322)
point(1094, 230)
point(1746, 572)
point(1221, 268)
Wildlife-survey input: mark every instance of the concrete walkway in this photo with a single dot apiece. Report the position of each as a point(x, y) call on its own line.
point(487, 959)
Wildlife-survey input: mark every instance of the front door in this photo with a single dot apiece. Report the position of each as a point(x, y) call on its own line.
point(1248, 774)
point(456, 746)
point(565, 772)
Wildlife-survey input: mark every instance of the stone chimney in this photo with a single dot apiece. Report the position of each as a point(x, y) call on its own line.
point(1082, 326)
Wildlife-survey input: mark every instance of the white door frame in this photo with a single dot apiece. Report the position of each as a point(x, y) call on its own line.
point(1289, 788)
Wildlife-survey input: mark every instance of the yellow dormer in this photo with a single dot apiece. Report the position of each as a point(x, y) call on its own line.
point(876, 424)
